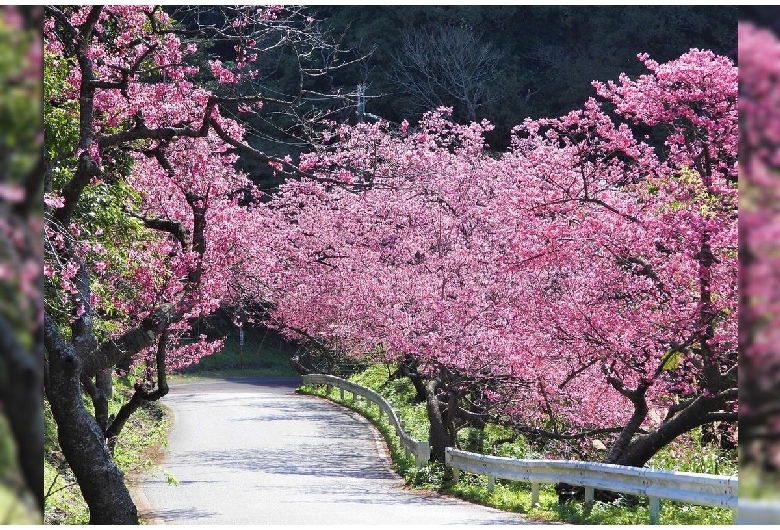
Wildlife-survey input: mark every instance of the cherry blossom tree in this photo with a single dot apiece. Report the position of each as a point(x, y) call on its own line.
point(651, 301)
point(142, 217)
point(383, 264)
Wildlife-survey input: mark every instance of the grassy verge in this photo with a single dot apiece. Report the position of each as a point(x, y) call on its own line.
point(515, 496)
point(144, 432)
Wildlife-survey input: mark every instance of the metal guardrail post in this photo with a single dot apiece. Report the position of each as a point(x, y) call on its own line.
point(589, 494)
point(534, 493)
point(655, 510)
point(491, 483)
point(424, 452)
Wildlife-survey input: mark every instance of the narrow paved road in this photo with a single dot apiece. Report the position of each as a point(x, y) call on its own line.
point(253, 452)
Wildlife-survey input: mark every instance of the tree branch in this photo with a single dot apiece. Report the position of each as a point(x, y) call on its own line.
point(141, 395)
point(130, 342)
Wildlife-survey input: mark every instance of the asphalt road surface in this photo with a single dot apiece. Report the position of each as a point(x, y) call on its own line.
point(253, 452)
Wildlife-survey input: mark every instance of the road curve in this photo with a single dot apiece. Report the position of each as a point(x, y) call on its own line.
point(254, 452)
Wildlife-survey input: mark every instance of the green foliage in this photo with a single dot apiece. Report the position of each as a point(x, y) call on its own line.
point(102, 213)
point(12, 508)
point(516, 497)
point(622, 512)
point(145, 431)
point(400, 394)
point(690, 454)
point(509, 496)
point(19, 95)
point(671, 361)
point(60, 115)
point(172, 480)
point(20, 108)
point(7, 450)
point(263, 354)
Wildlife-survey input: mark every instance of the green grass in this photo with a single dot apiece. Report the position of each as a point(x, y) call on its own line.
point(515, 496)
point(689, 454)
point(263, 354)
point(144, 431)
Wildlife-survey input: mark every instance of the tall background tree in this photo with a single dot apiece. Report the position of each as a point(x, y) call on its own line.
point(440, 64)
point(550, 54)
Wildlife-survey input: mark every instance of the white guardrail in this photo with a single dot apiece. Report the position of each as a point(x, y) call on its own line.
point(693, 488)
point(420, 450)
point(759, 512)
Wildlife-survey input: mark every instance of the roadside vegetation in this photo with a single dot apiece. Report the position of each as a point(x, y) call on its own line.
point(686, 455)
point(602, 237)
point(133, 453)
point(12, 509)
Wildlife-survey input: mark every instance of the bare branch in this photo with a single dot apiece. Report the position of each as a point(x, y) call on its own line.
point(446, 65)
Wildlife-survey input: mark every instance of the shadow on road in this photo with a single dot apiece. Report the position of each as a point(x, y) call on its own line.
point(256, 454)
point(304, 459)
point(182, 516)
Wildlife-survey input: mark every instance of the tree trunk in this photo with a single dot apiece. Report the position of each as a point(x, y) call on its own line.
point(81, 439)
point(439, 437)
point(408, 368)
point(302, 365)
point(643, 448)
